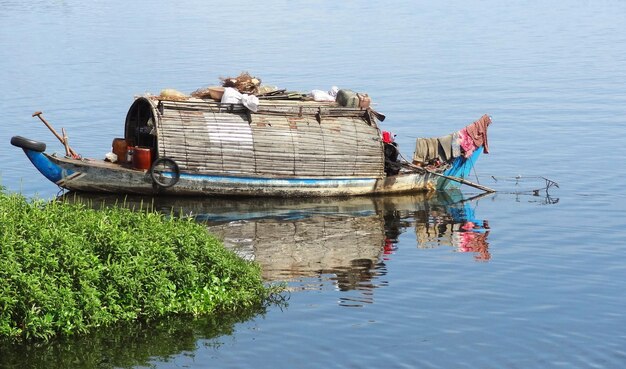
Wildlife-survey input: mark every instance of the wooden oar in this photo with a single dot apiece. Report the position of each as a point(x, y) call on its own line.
point(58, 136)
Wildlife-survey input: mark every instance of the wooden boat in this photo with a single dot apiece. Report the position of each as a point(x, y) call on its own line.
point(286, 148)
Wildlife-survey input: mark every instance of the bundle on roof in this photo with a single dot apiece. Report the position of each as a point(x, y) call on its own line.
point(172, 94)
point(245, 83)
point(202, 93)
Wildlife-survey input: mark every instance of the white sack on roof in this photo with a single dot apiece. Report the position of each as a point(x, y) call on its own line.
point(232, 96)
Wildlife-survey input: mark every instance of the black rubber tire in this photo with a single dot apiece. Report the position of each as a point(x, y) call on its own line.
point(171, 163)
point(27, 143)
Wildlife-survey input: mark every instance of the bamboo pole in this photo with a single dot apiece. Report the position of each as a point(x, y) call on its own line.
point(65, 143)
point(455, 179)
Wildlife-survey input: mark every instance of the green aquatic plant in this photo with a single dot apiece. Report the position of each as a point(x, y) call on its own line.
point(66, 269)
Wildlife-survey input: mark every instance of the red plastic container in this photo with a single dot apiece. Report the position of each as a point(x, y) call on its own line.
point(142, 157)
point(387, 137)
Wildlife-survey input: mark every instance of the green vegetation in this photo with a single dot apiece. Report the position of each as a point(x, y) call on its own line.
point(66, 269)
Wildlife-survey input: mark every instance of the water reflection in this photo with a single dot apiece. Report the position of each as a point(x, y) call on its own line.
point(346, 242)
point(125, 346)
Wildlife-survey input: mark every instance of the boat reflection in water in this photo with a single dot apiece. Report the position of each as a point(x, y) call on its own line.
point(313, 241)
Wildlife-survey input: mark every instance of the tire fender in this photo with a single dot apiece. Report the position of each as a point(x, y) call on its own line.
point(155, 176)
point(28, 144)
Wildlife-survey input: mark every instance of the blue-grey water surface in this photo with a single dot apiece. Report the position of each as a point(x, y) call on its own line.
point(545, 287)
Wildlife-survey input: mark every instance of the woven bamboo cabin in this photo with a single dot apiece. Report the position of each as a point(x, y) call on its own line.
point(281, 140)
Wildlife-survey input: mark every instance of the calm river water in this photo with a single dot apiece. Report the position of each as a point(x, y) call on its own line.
point(510, 280)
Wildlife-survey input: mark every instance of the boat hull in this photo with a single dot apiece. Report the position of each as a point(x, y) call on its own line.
point(87, 175)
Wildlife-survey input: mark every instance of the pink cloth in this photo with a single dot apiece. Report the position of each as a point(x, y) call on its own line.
point(466, 143)
point(474, 136)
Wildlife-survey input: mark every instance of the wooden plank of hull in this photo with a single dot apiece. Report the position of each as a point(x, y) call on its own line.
point(100, 176)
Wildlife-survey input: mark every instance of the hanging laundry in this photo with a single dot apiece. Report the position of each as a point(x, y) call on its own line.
point(466, 143)
point(445, 147)
point(456, 145)
point(474, 136)
point(426, 149)
point(478, 132)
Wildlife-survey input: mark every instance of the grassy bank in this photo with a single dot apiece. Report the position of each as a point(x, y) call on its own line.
point(66, 269)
